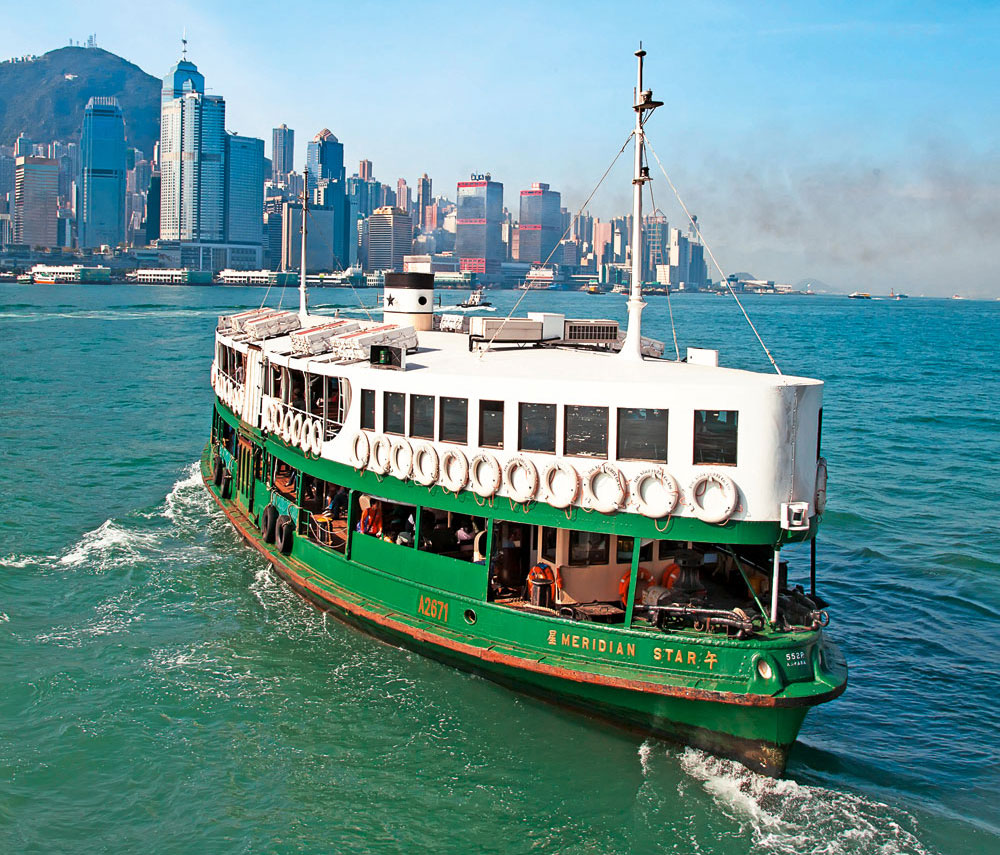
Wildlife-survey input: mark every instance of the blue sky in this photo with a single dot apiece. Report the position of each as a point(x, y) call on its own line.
point(856, 143)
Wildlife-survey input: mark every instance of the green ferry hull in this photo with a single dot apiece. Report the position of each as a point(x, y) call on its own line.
point(757, 729)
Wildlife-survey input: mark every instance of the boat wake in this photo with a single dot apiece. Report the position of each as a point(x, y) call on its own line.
point(458, 308)
point(783, 816)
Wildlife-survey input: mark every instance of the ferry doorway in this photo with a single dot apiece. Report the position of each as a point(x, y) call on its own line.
point(245, 466)
point(512, 554)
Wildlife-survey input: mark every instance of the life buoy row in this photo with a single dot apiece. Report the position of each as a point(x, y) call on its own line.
point(294, 428)
point(230, 393)
point(654, 492)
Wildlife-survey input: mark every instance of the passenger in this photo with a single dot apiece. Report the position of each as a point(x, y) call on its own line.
point(371, 517)
point(336, 505)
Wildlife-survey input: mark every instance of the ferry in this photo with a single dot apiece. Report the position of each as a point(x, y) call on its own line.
point(475, 300)
point(542, 500)
point(859, 295)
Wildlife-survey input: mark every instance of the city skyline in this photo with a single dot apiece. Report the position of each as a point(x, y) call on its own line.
point(812, 143)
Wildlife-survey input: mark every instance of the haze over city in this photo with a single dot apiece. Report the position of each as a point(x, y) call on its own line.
point(847, 145)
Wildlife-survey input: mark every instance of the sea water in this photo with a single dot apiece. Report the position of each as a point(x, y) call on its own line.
point(161, 691)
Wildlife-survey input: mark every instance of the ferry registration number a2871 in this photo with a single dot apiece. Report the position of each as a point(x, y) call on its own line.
point(434, 609)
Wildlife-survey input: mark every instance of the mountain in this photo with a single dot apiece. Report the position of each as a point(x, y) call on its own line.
point(44, 97)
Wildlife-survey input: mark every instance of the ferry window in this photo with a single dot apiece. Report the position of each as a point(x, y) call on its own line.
point(549, 544)
point(491, 424)
point(455, 420)
point(586, 431)
point(537, 428)
point(368, 409)
point(588, 547)
point(454, 535)
point(642, 434)
point(422, 416)
point(394, 412)
point(392, 522)
point(623, 551)
point(715, 433)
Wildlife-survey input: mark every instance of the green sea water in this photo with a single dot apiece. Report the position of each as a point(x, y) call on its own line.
point(161, 691)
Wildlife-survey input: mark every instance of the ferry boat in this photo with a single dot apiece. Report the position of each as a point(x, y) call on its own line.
point(859, 295)
point(475, 300)
point(545, 501)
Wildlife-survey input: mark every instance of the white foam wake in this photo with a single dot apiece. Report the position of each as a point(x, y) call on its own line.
point(107, 543)
point(783, 816)
point(186, 493)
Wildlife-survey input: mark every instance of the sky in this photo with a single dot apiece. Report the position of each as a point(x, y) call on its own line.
point(853, 144)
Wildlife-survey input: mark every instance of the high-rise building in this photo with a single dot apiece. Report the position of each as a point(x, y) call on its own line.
point(282, 152)
point(478, 240)
point(365, 170)
point(244, 189)
point(100, 207)
point(403, 196)
point(36, 181)
point(6, 183)
point(324, 158)
point(539, 225)
point(679, 258)
point(192, 158)
point(655, 244)
point(319, 239)
point(390, 237)
point(424, 201)
point(23, 147)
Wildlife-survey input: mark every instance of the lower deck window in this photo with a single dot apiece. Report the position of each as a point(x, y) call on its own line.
point(393, 522)
point(588, 547)
point(624, 546)
point(453, 535)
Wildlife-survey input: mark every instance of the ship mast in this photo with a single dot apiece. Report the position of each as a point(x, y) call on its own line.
point(642, 102)
point(303, 301)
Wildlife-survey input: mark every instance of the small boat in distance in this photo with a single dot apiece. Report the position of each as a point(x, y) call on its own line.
point(859, 295)
point(475, 300)
point(592, 288)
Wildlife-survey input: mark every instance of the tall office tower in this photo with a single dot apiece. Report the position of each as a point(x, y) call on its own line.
point(152, 220)
point(23, 147)
point(403, 196)
point(192, 158)
point(655, 244)
point(583, 228)
point(100, 205)
point(365, 170)
point(282, 152)
point(478, 242)
point(36, 181)
point(603, 237)
point(390, 237)
point(324, 158)
point(244, 190)
point(424, 201)
point(6, 183)
point(539, 225)
point(679, 258)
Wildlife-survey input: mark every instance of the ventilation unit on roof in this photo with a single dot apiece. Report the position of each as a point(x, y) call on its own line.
point(590, 331)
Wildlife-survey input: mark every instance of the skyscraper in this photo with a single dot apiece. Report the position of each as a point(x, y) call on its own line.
point(478, 241)
point(36, 181)
point(656, 244)
point(423, 201)
point(324, 158)
point(244, 189)
point(403, 195)
point(539, 225)
point(100, 208)
point(282, 152)
point(365, 170)
point(390, 237)
point(192, 158)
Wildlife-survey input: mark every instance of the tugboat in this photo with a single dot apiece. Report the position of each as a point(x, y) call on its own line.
point(475, 300)
point(545, 501)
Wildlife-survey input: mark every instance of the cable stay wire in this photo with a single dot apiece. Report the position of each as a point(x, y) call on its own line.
point(340, 266)
point(569, 228)
point(704, 243)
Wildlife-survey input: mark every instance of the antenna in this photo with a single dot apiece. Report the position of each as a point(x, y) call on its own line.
point(184, 43)
point(642, 102)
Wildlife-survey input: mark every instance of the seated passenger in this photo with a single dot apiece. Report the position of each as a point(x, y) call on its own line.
point(336, 505)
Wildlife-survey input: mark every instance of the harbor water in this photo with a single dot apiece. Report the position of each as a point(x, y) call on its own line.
point(161, 691)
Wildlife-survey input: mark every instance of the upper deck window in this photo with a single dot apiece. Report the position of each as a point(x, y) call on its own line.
point(422, 416)
point(537, 428)
point(394, 412)
point(586, 431)
point(367, 409)
point(715, 434)
point(491, 424)
point(642, 434)
point(588, 547)
point(455, 420)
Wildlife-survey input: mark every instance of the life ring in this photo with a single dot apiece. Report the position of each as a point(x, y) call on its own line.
point(527, 492)
point(379, 460)
point(316, 437)
point(485, 486)
point(565, 496)
point(729, 493)
point(652, 508)
point(265, 418)
point(401, 459)
point(542, 570)
point(360, 450)
point(819, 499)
point(425, 464)
point(305, 435)
point(448, 476)
point(213, 374)
point(644, 580)
point(224, 391)
point(671, 573)
point(275, 417)
point(607, 505)
point(286, 425)
point(295, 430)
